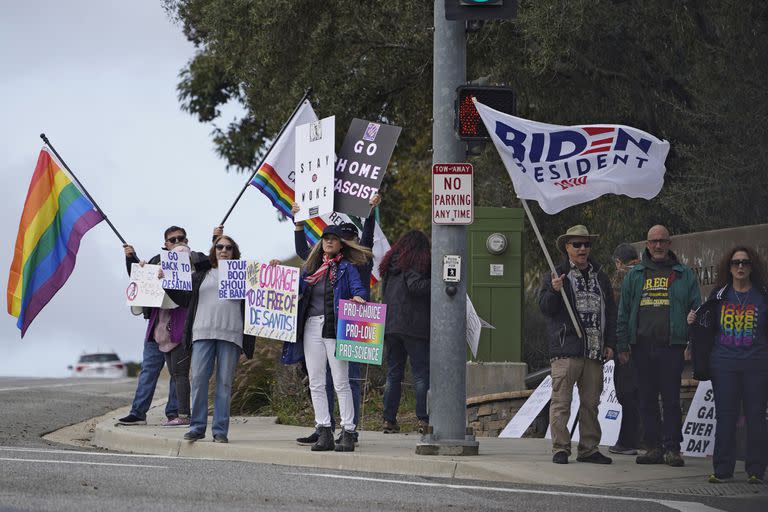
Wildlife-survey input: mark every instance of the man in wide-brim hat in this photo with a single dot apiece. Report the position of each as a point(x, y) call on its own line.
point(577, 356)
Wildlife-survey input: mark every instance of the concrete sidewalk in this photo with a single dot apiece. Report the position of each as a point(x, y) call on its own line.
point(523, 461)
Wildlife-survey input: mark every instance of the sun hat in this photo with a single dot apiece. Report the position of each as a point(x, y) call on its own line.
point(577, 231)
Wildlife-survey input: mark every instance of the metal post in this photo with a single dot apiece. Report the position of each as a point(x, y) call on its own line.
point(447, 434)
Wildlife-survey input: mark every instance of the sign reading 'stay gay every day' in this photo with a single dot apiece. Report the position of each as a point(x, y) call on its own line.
point(360, 331)
point(361, 164)
point(271, 301)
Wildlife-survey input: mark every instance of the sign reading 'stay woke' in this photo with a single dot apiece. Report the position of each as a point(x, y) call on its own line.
point(360, 331)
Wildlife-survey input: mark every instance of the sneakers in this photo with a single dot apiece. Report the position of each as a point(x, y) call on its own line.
point(754, 479)
point(220, 438)
point(354, 434)
point(714, 479)
point(560, 458)
point(622, 450)
point(423, 426)
point(595, 458)
point(131, 420)
point(176, 422)
point(193, 436)
point(655, 456)
point(347, 442)
point(674, 459)
point(390, 427)
point(309, 440)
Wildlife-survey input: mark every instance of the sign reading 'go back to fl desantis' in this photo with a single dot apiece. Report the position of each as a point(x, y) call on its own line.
point(360, 331)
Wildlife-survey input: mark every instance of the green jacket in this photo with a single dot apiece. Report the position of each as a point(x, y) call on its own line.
point(684, 295)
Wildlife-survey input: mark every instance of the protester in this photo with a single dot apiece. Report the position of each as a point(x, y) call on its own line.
point(152, 358)
point(405, 273)
point(625, 375)
point(214, 334)
point(655, 299)
point(739, 360)
point(578, 358)
point(329, 275)
point(348, 232)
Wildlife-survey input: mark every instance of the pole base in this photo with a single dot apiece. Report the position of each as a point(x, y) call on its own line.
point(451, 447)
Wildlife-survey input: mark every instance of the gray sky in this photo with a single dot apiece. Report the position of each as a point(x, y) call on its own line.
point(98, 78)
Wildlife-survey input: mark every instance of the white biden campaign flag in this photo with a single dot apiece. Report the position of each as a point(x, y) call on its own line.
point(561, 166)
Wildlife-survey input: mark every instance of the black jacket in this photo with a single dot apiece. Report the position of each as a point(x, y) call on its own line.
point(189, 300)
point(563, 341)
point(407, 296)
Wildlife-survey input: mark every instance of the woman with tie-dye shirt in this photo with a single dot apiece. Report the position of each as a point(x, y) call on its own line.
point(739, 361)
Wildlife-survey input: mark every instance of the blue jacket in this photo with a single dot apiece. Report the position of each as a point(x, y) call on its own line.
point(348, 285)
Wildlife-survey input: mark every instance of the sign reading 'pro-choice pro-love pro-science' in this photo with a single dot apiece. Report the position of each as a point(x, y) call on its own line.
point(360, 331)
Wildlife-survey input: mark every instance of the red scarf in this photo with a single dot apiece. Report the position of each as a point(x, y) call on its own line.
point(333, 263)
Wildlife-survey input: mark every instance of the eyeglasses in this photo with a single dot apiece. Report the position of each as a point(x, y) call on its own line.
point(741, 263)
point(176, 239)
point(659, 241)
point(579, 245)
point(222, 247)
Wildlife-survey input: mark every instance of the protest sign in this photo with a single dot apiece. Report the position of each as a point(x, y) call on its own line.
point(271, 301)
point(608, 412)
point(145, 288)
point(314, 158)
point(474, 325)
point(361, 164)
point(232, 279)
point(177, 270)
point(360, 331)
point(700, 423)
point(529, 411)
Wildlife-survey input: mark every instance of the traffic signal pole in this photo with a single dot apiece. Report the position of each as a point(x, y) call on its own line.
point(447, 434)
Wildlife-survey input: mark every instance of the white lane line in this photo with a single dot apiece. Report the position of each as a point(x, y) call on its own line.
point(24, 388)
point(104, 454)
point(9, 459)
point(682, 506)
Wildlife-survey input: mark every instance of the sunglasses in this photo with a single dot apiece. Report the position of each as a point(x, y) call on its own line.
point(222, 247)
point(176, 239)
point(579, 245)
point(741, 263)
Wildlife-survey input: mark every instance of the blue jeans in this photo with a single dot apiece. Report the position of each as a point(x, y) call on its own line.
point(152, 361)
point(659, 369)
point(399, 347)
point(206, 353)
point(734, 386)
point(354, 385)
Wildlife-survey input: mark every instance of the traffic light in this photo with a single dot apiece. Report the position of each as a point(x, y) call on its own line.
point(480, 9)
point(469, 126)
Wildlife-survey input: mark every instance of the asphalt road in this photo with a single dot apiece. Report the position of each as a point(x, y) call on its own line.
point(38, 475)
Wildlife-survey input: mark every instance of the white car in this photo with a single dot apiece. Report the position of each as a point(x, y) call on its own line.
point(105, 364)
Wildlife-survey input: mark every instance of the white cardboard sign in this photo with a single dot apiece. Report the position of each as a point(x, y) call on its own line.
point(232, 279)
point(528, 412)
point(177, 270)
point(700, 423)
point(314, 168)
point(145, 288)
point(271, 301)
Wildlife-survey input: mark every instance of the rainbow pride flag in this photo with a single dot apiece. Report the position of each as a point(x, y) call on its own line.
point(56, 215)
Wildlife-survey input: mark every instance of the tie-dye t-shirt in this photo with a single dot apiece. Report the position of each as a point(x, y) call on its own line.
point(741, 335)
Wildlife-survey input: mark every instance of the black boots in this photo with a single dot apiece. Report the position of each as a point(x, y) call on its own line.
point(325, 441)
point(346, 442)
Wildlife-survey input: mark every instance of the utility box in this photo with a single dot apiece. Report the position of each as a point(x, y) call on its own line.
point(495, 281)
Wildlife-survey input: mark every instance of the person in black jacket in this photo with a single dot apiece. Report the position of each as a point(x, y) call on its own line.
point(577, 357)
point(405, 272)
point(214, 334)
point(733, 325)
point(152, 358)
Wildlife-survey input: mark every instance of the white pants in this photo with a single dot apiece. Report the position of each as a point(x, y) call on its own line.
point(317, 352)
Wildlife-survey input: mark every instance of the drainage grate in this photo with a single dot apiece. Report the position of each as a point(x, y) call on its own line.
point(727, 489)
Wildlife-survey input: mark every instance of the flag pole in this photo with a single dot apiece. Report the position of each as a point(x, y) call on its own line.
point(551, 265)
point(307, 94)
point(58, 157)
